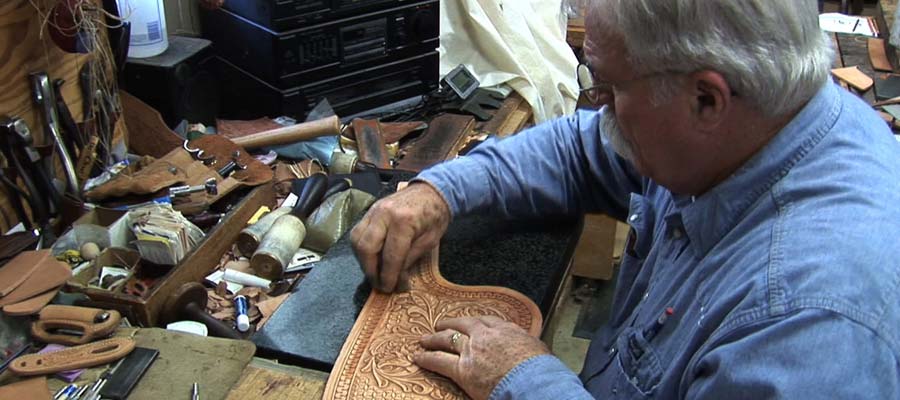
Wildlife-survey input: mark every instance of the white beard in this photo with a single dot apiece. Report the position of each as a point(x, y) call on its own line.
point(610, 130)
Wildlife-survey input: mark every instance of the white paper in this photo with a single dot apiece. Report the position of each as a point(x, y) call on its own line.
point(840, 23)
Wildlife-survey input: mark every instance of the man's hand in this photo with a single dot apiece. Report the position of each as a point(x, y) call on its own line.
point(477, 352)
point(397, 231)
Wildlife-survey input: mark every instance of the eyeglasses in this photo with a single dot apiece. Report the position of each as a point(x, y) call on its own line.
point(593, 90)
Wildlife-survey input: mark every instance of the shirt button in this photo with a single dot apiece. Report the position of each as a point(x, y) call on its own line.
point(633, 217)
point(677, 233)
point(612, 351)
point(646, 295)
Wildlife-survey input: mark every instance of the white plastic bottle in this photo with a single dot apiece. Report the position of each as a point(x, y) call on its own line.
point(148, 27)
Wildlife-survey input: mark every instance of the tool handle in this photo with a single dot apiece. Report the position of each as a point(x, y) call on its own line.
point(311, 195)
point(330, 126)
point(216, 328)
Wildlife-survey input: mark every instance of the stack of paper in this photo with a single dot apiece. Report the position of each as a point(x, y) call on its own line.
point(840, 23)
point(164, 236)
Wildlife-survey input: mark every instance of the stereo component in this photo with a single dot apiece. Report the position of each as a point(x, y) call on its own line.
point(316, 52)
point(279, 15)
point(247, 97)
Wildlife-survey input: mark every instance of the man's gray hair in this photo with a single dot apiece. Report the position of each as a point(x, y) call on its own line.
point(771, 52)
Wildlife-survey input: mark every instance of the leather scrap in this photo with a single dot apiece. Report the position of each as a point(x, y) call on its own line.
point(84, 356)
point(32, 389)
point(376, 359)
point(31, 306)
point(49, 274)
point(17, 270)
point(148, 134)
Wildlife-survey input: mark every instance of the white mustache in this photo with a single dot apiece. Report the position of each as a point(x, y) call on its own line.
point(612, 132)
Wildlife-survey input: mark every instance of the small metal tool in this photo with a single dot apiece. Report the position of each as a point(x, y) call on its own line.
point(195, 391)
point(210, 187)
point(43, 96)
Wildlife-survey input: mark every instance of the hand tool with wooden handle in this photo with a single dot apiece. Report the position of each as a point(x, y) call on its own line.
point(330, 126)
point(286, 235)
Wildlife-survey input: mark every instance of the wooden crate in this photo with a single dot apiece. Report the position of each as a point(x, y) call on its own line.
point(193, 268)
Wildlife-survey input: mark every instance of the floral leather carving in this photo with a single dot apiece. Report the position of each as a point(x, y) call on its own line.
point(376, 360)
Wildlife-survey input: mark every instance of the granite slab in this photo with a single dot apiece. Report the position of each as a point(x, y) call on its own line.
point(309, 329)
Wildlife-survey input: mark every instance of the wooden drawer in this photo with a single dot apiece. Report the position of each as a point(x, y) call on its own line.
point(193, 268)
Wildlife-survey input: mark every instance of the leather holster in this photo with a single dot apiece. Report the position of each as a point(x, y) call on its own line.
point(91, 323)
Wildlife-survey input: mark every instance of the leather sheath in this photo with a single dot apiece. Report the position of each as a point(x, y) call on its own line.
point(370, 143)
point(445, 136)
point(32, 389)
point(84, 356)
point(81, 319)
point(49, 274)
point(376, 360)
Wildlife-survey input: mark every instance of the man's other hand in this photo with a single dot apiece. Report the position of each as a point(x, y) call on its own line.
point(477, 352)
point(397, 231)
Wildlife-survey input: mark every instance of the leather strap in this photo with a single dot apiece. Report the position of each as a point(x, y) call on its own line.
point(84, 356)
point(92, 323)
point(32, 305)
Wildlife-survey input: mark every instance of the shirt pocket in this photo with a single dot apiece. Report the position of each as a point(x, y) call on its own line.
point(637, 365)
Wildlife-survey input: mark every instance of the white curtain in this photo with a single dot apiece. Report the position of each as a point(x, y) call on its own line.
point(518, 42)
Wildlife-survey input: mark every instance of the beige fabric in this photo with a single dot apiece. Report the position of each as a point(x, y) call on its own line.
point(518, 42)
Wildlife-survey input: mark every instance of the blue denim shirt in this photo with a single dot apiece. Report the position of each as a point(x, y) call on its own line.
point(783, 279)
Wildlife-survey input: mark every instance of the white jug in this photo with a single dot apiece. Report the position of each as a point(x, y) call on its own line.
point(148, 27)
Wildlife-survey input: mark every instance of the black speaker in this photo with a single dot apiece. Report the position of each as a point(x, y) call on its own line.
point(177, 83)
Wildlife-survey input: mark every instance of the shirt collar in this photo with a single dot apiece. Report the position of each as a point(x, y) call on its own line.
point(709, 217)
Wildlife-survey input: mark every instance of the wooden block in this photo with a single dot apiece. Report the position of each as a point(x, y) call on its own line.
point(878, 55)
point(593, 256)
point(854, 77)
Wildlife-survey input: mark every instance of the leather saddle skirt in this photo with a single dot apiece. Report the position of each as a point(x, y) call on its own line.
point(376, 360)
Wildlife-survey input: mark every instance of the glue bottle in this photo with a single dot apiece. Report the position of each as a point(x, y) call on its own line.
point(148, 27)
point(240, 305)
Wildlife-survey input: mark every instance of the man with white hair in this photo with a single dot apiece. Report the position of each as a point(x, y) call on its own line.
point(763, 201)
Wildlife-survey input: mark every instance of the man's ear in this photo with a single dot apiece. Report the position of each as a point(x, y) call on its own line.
point(712, 98)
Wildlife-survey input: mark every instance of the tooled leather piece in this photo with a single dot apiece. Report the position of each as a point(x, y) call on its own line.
point(32, 305)
point(84, 356)
point(19, 269)
point(32, 389)
point(49, 274)
point(80, 319)
point(393, 131)
point(376, 359)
